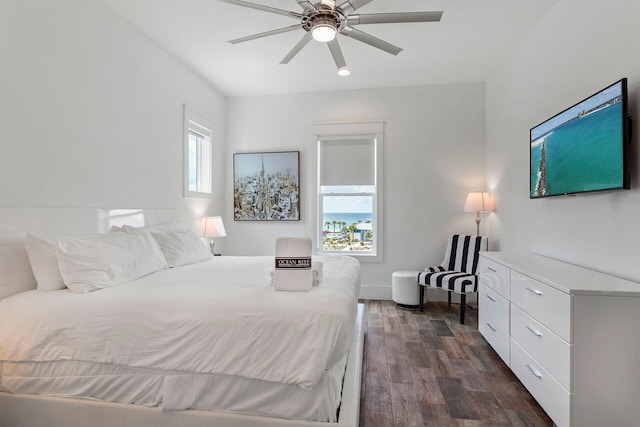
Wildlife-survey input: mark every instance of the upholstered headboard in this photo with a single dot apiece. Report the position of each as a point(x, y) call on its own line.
point(15, 271)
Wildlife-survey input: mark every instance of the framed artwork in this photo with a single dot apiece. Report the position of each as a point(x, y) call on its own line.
point(266, 186)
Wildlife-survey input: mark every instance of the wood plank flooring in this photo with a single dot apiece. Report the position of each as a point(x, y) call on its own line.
point(425, 369)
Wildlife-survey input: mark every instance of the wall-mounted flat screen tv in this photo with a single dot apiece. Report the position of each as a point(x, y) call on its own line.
point(583, 148)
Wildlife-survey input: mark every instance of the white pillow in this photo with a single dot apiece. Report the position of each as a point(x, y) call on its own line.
point(156, 229)
point(182, 248)
point(108, 260)
point(44, 263)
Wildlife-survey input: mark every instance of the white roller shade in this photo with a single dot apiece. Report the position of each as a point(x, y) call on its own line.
point(347, 162)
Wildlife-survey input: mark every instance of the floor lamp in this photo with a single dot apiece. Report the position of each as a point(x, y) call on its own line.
point(477, 202)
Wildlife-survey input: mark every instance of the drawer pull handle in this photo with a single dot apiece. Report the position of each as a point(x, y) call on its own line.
point(534, 331)
point(534, 371)
point(491, 327)
point(492, 269)
point(534, 291)
point(492, 299)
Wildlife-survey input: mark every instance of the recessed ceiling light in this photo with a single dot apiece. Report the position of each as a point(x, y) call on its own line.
point(343, 71)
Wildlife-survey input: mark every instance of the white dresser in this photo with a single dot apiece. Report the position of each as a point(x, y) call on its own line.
point(571, 335)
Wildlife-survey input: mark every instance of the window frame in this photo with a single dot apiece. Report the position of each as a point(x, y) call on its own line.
point(200, 125)
point(351, 131)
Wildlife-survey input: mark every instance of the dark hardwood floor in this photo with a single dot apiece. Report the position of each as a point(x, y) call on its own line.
point(425, 369)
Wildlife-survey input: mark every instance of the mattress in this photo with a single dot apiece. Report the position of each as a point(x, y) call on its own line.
point(212, 335)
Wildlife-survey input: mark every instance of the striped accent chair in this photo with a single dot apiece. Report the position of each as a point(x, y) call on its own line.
point(458, 271)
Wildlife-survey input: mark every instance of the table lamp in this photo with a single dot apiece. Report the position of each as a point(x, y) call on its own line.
point(212, 227)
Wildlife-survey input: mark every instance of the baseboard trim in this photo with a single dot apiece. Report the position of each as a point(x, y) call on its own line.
point(383, 292)
point(375, 292)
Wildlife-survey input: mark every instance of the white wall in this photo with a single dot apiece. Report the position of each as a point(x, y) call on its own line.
point(577, 49)
point(91, 111)
point(433, 154)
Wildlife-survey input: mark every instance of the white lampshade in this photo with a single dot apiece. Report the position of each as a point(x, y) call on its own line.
point(212, 226)
point(479, 201)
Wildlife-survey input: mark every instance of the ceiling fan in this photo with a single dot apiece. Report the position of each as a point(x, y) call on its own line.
point(324, 20)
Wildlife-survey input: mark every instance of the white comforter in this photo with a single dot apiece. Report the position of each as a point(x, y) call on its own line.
point(220, 316)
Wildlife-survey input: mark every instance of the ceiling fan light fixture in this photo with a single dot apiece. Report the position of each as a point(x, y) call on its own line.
point(323, 32)
point(343, 71)
point(323, 20)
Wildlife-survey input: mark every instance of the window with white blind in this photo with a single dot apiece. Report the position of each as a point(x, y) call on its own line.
point(198, 147)
point(349, 189)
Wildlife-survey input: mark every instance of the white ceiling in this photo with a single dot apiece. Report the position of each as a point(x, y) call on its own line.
point(471, 39)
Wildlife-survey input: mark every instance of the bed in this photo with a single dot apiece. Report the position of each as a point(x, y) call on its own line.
point(200, 344)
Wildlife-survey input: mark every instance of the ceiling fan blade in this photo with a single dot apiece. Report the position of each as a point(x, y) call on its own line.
point(350, 6)
point(297, 48)
point(265, 34)
point(393, 18)
point(263, 8)
point(370, 40)
point(336, 52)
point(307, 5)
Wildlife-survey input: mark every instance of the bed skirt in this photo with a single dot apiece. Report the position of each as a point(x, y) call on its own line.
point(30, 410)
point(174, 391)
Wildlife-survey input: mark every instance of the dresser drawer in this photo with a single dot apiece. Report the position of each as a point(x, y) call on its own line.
point(551, 351)
point(495, 275)
point(493, 320)
point(547, 305)
point(493, 305)
point(554, 399)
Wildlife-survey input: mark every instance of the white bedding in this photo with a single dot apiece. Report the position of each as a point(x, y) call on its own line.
point(216, 317)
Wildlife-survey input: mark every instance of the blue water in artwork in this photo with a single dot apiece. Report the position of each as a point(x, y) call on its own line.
point(349, 218)
point(583, 154)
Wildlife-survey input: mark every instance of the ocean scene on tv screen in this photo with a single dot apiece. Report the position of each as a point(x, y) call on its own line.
point(579, 149)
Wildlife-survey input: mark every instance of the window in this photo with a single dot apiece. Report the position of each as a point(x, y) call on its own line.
point(349, 189)
point(198, 147)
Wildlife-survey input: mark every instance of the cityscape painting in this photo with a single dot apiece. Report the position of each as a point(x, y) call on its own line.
point(266, 186)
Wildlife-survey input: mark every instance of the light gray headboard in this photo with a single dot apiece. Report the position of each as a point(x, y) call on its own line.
point(15, 270)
